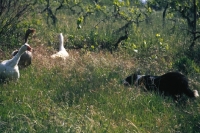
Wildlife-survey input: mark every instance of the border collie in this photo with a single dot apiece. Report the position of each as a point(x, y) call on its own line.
point(170, 84)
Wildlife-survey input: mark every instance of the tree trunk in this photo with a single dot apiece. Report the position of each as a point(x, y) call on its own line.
point(164, 14)
point(194, 24)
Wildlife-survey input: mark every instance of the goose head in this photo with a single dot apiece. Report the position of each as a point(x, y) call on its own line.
point(28, 32)
point(25, 59)
point(23, 48)
point(15, 60)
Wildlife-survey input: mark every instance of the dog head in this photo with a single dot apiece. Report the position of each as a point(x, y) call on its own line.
point(133, 79)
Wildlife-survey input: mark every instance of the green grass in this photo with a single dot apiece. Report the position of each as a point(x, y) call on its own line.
point(87, 96)
point(85, 93)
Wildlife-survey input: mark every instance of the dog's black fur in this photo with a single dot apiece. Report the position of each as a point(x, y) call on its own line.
point(171, 83)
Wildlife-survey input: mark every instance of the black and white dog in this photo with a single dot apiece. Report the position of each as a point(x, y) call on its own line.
point(170, 84)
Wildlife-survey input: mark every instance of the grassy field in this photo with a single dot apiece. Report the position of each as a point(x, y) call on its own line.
point(85, 92)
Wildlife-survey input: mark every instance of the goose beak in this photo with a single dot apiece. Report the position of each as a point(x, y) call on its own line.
point(29, 48)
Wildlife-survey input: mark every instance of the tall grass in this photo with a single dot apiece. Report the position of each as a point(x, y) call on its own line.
point(85, 93)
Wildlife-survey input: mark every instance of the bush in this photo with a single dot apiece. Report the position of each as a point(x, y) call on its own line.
point(186, 65)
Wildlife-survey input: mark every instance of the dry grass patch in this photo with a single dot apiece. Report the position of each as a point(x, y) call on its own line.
point(81, 60)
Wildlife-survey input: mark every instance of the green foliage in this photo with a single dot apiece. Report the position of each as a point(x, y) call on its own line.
point(186, 9)
point(186, 65)
point(11, 13)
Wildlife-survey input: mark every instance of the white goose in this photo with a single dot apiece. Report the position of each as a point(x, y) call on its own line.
point(62, 53)
point(9, 68)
